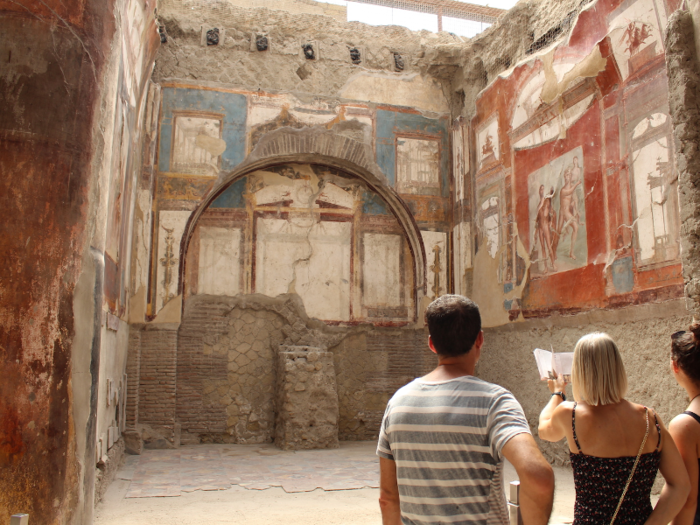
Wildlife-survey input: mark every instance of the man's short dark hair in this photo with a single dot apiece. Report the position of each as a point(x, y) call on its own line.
point(454, 323)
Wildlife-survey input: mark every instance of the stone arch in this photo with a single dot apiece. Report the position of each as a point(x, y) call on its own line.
point(338, 147)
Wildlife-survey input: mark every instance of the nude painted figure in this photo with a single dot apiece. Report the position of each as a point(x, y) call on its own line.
point(568, 207)
point(545, 231)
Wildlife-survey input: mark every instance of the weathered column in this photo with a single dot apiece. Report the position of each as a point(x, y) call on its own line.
point(684, 101)
point(307, 399)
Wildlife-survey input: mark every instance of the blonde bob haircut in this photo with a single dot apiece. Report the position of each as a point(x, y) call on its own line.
point(598, 375)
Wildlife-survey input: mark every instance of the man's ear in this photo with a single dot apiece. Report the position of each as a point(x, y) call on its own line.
point(478, 344)
point(431, 345)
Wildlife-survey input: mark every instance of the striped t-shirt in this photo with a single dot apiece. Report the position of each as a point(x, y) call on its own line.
point(446, 439)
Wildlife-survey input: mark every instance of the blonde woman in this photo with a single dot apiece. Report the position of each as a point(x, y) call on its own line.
point(616, 447)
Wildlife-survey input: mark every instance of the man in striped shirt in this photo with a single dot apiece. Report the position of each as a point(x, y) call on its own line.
point(444, 436)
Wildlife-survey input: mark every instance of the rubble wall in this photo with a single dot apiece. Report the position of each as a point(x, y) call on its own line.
point(684, 83)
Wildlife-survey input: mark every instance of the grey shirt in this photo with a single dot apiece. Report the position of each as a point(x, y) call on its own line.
point(446, 438)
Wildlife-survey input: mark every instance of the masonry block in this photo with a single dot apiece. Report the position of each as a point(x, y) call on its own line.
point(307, 399)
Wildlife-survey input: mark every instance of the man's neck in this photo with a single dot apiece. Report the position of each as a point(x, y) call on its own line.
point(452, 368)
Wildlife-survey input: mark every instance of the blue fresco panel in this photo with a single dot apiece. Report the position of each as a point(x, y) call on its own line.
point(232, 106)
point(232, 197)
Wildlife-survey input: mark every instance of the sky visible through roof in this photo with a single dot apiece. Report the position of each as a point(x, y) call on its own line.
point(380, 15)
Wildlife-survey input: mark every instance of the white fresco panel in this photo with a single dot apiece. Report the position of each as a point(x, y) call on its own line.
point(460, 157)
point(219, 261)
point(488, 149)
point(417, 166)
point(635, 34)
point(309, 258)
point(437, 261)
point(171, 225)
point(652, 220)
point(381, 270)
point(197, 146)
point(462, 253)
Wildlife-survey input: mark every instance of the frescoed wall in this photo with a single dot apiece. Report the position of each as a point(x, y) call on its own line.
point(575, 185)
point(297, 228)
point(305, 229)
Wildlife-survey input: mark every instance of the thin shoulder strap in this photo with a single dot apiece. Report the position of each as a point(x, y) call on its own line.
point(634, 467)
point(573, 427)
point(658, 431)
point(693, 415)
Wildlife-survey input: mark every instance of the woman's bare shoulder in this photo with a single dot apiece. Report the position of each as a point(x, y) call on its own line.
point(564, 409)
point(685, 427)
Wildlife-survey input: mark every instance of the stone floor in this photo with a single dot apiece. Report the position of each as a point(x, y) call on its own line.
point(161, 473)
point(262, 485)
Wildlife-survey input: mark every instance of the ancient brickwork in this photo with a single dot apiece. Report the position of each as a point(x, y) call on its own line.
point(133, 372)
point(370, 367)
point(157, 381)
point(306, 399)
point(225, 363)
point(225, 355)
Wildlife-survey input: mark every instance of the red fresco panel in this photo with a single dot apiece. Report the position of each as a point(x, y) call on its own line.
point(589, 30)
point(612, 181)
point(610, 79)
point(530, 160)
point(659, 276)
point(575, 290)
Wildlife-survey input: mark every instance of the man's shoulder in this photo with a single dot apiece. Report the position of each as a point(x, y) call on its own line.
point(468, 385)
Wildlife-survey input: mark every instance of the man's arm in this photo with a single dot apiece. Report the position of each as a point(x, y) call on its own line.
point(389, 492)
point(536, 478)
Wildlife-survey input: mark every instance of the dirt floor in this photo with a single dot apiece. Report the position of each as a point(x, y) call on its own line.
point(126, 502)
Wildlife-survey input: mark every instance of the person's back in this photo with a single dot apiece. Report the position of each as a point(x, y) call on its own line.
point(607, 440)
point(444, 437)
point(616, 447)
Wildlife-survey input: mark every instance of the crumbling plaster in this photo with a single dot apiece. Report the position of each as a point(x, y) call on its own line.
point(335, 147)
point(458, 67)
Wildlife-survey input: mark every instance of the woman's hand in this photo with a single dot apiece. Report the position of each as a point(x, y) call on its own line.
point(551, 428)
point(557, 385)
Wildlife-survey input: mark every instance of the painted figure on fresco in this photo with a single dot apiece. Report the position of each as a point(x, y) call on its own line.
point(635, 37)
point(545, 229)
point(569, 216)
point(487, 151)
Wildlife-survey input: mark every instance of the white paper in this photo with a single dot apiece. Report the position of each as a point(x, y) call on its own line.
point(550, 364)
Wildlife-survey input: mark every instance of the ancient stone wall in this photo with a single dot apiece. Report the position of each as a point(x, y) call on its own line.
point(684, 90)
point(224, 354)
point(226, 373)
point(306, 415)
point(282, 65)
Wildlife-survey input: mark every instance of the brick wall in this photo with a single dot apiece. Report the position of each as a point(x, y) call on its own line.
point(226, 372)
point(214, 376)
point(133, 373)
point(207, 320)
point(157, 385)
point(370, 367)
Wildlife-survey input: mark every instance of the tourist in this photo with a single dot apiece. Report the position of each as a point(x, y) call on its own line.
point(616, 447)
point(444, 436)
point(685, 364)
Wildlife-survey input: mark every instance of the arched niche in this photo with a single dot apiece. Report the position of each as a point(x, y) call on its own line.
point(332, 150)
